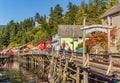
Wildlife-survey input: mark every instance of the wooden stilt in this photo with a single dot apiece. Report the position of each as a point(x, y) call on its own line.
point(78, 75)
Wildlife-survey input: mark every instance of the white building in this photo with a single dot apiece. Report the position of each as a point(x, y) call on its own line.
point(37, 24)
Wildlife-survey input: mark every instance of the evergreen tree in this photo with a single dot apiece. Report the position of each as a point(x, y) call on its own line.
point(69, 17)
point(19, 33)
point(51, 15)
point(6, 38)
point(57, 14)
point(55, 19)
point(113, 2)
point(81, 13)
point(94, 11)
point(37, 17)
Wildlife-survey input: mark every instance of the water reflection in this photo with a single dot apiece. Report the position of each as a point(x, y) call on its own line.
point(15, 72)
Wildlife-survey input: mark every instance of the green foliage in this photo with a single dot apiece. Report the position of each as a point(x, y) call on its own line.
point(80, 45)
point(113, 2)
point(81, 13)
point(37, 17)
point(14, 33)
point(55, 19)
point(69, 17)
point(40, 35)
point(19, 33)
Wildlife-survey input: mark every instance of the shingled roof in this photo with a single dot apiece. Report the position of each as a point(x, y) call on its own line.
point(67, 30)
point(113, 10)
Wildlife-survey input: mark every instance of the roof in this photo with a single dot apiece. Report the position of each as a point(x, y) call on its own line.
point(111, 11)
point(5, 50)
point(23, 46)
point(30, 46)
point(44, 41)
point(67, 30)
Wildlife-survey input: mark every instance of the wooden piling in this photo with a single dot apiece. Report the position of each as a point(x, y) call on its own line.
point(78, 75)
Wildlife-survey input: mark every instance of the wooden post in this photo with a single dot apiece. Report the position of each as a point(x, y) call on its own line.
point(108, 40)
point(110, 56)
point(36, 63)
point(43, 66)
point(31, 62)
point(64, 72)
point(111, 63)
point(109, 35)
point(60, 41)
point(58, 53)
point(28, 65)
point(85, 76)
point(109, 71)
point(84, 49)
point(85, 73)
point(72, 43)
point(50, 76)
point(54, 71)
point(78, 75)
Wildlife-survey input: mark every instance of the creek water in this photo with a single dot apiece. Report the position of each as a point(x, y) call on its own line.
point(13, 72)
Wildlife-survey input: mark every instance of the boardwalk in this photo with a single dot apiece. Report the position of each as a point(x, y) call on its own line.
point(70, 67)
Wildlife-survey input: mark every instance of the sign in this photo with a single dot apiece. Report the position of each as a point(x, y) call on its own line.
point(95, 30)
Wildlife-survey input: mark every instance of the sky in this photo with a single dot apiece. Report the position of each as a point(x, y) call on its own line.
point(18, 10)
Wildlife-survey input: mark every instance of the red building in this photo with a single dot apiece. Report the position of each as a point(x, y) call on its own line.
point(9, 52)
point(45, 44)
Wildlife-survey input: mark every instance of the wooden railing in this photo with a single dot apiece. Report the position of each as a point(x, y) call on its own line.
point(4, 55)
point(111, 62)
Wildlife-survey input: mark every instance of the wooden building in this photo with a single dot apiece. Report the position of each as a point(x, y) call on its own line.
point(24, 48)
point(114, 15)
point(71, 35)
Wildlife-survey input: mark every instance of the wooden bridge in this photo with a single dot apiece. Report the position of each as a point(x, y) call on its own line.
point(62, 67)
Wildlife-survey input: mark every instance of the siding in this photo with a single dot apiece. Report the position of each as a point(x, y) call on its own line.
point(68, 40)
point(116, 23)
